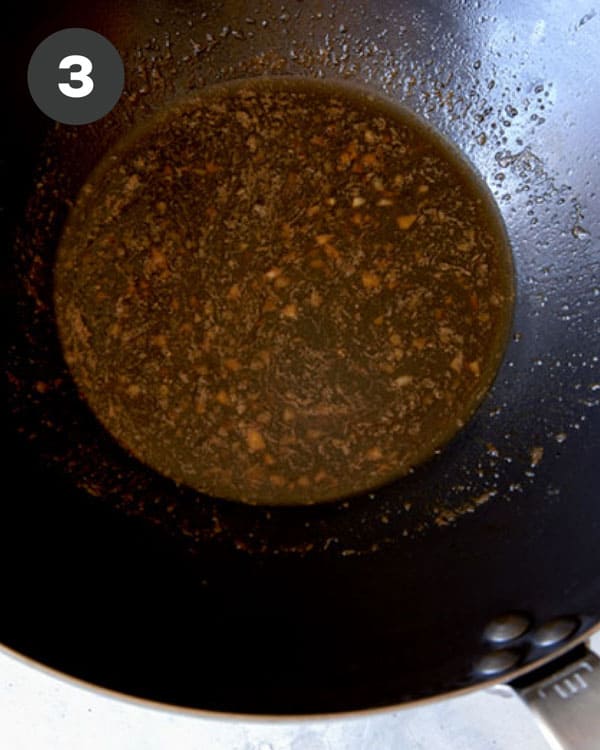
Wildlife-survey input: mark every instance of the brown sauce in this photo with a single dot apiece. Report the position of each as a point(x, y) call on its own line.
point(283, 291)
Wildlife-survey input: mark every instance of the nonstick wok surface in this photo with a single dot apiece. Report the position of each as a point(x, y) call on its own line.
point(117, 576)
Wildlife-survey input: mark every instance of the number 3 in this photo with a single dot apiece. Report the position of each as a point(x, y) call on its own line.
point(81, 75)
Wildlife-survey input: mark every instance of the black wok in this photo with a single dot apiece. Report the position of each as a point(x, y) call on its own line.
point(119, 577)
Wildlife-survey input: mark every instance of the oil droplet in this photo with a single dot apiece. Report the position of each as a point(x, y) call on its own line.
point(504, 158)
point(579, 232)
point(584, 19)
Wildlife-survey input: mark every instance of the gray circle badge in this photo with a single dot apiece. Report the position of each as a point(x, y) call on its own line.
point(75, 76)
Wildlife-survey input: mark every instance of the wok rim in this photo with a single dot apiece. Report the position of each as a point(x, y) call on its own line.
point(232, 716)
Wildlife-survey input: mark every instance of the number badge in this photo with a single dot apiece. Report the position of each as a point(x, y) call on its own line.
point(75, 76)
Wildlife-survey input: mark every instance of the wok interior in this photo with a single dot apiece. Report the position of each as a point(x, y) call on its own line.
point(283, 292)
point(381, 599)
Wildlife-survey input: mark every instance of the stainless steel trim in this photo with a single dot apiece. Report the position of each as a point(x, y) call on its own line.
point(566, 704)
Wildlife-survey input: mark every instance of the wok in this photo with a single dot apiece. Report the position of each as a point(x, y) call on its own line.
point(483, 564)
